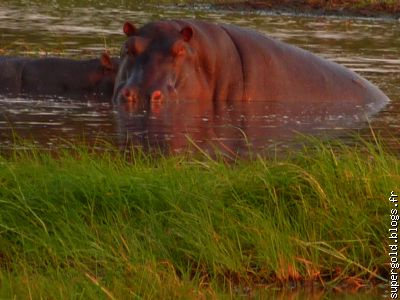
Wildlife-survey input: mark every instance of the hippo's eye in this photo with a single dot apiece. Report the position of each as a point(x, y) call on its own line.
point(136, 45)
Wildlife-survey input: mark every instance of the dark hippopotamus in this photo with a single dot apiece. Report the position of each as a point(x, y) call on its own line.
point(219, 63)
point(58, 76)
point(11, 73)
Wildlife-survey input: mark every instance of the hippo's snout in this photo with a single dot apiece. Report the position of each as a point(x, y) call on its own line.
point(132, 94)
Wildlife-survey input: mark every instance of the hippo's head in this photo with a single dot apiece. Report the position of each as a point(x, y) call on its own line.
point(158, 63)
point(103, 77)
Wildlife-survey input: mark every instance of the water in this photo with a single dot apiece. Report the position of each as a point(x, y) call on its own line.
point(85, 29)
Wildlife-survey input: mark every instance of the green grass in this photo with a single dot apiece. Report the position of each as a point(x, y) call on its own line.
point(113, 225)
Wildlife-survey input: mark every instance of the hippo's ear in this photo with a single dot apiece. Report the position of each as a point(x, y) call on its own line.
point(187, 33)
point(106, 61)
point(129, 29)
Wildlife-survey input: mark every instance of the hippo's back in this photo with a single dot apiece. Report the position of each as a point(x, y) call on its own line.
point(276, 71)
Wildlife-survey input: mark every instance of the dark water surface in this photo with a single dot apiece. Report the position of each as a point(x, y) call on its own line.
point(72, 29)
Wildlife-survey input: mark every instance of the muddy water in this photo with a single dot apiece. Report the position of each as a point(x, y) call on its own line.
point(73, 29)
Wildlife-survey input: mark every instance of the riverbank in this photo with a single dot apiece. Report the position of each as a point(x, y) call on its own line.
point(116, 225)
point(365, 8)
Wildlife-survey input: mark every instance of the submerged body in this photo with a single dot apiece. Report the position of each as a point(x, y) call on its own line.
point(57, 76)
point(218, 63)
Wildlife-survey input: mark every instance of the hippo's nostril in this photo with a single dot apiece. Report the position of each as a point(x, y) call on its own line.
point(156, 95)
point(129, 94)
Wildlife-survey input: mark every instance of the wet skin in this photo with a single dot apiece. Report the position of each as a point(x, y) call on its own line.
point(58, 76)
point(216, 64)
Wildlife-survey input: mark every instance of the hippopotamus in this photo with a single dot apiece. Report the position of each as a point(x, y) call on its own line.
point(58, 76)
point(210, 64)
point(10, 74)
